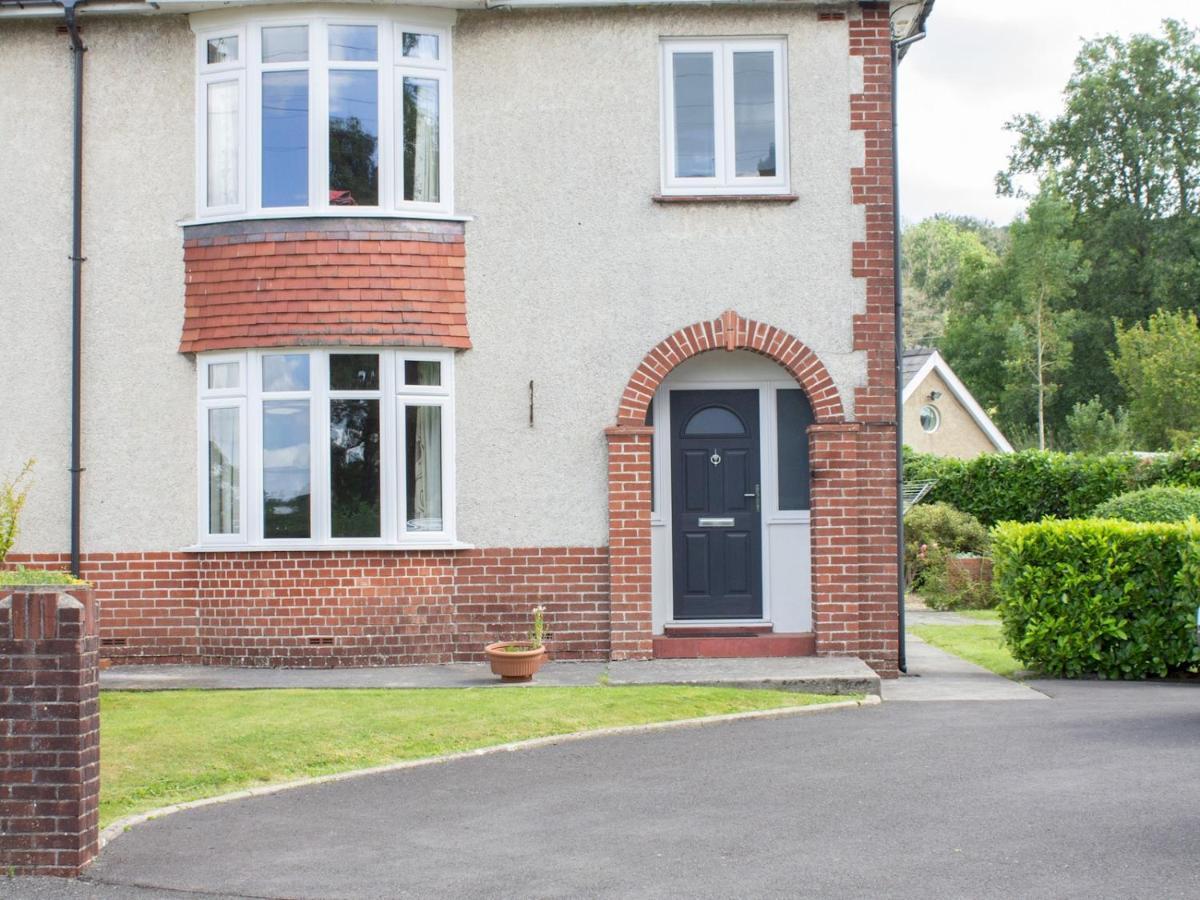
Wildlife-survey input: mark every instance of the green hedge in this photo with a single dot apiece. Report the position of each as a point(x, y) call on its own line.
point(1099, 596)
point(1026, 486)
point(1157, 504)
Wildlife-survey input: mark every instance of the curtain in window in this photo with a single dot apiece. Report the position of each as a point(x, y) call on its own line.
point(424, 426)
point(421, 140)
point(223, 436)
point(222, 143)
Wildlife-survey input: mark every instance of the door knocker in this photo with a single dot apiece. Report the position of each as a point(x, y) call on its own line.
point(715, 459)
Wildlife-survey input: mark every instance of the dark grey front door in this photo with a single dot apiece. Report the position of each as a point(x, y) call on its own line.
point(715, 491)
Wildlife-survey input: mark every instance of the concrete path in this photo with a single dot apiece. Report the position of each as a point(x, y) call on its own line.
point(1094, 795)
point(934, 674)
point(809, 674)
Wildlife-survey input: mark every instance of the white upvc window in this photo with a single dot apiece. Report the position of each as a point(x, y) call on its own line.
point(724, 113)
point(345, 447)
point(332, 114)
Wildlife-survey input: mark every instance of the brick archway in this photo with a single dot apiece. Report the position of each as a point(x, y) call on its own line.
point(851, 552)
point(731, 332)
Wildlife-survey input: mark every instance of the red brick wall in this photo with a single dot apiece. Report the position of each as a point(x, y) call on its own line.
point(335, 281)
point(342, 608)
point(49, 733)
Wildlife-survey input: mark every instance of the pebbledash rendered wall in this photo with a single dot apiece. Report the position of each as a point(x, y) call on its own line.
point(573, 275)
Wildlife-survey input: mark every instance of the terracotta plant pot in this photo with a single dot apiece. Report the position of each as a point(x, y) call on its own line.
point(515, 665)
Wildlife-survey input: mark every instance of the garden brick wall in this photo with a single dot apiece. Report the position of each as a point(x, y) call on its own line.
point(49, 732)
point(342, 608)
point(295, 282)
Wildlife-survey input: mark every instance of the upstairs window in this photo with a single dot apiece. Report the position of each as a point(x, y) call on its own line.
point(724, 116)
point(323, 115)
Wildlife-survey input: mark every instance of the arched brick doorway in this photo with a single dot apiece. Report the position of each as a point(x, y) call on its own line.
point(853, 527)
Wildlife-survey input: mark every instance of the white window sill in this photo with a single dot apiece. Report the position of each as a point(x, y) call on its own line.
point(292, 547)
point(325, 213)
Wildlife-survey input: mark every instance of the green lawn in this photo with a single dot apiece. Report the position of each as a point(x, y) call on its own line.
point(981, 644)
point(168, 747)
point(983, 615)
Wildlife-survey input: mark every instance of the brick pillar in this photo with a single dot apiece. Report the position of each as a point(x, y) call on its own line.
point(833, 452)
point(629, 540)
point(49, 731)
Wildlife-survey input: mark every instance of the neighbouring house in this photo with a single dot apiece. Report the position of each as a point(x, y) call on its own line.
point(940, 415)
point(396, 321)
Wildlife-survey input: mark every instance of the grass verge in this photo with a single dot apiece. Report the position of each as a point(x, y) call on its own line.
point(160, 748)
point(983, 615)
point(981, 644)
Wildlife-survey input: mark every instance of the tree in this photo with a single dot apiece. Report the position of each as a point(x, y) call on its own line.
point(1091, 428)
point(933, 253)
point(1158, 363)
point(1046, 266)
point(1125, 154)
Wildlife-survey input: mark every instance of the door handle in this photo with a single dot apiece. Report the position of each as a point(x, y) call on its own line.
point(757, 495)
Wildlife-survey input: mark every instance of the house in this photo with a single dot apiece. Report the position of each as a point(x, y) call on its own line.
point(395, 321)
point(940, 415)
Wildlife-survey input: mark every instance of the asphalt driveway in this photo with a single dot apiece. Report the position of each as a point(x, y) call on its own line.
point(1095, 794)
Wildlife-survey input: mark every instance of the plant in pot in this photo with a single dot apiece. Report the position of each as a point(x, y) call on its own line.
point(519, 660)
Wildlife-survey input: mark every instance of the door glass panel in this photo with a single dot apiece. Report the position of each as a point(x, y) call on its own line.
point(695, 140)
point(354, 468)
point(285, 43)
point(713, 420)
point(354, 138)
point(285, 372)
point(421, 149)
point(423, 475)
point(356, 43)
point(754, 113)
point(223, 139)
point(223, 471)
point(285, 138)
point(422, 372)
point(287, 481)
point(794, 417)
point(353, 372)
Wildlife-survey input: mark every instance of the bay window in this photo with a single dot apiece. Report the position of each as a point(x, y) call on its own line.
point(329, 448)
point(725, 116)
point(346, 115)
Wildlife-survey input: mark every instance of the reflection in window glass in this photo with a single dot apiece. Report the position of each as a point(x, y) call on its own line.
point(794, 416)
point(354, 371)
point(754, 113)
point(222, 130)
point(285, 138)
point(695, 142)
point(419, 46)
point(354, 138)
point(423, 475)
point(286, 43)
point(222, 50)
point(714, 420)
point(285, 372)
point(422, 371)
point(420, 112)
point(287, 480)
point(223, 376)
point(930, 419)
point(357, 43)
point(223, 475)
point(354, 468)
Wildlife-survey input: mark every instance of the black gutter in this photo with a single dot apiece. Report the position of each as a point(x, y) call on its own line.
point(77, 260)
point(898, 48)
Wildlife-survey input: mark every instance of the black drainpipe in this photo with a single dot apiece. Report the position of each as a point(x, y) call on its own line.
point(897, 46)
point(77, 259)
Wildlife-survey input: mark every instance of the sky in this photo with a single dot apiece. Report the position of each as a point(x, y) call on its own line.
point(983, 63)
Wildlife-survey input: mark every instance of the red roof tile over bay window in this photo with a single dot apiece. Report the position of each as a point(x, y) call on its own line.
point(300, 282)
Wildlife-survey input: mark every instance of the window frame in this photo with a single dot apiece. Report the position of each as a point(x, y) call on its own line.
point(391, 67)
point(393, 397)
point(725, 179)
